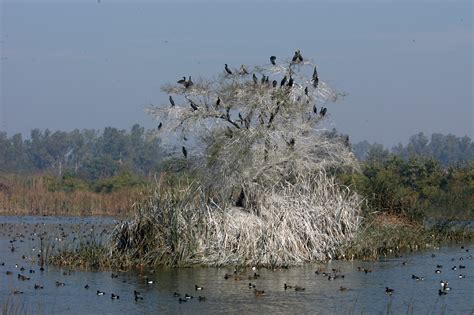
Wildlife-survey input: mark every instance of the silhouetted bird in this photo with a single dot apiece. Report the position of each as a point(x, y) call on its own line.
point(263, 79)
point(218, 102)
point(255, 80)
point(274, 83)
point(315, 77)
point(388, 291)
point(185, 152)
point(297, 57)
point(323, 111)
point(273, 60)
point(227, 69)
point(171, 101)
point(159, 127)
point(290, 82)
point(182, 81)
point(193, 105)
point(283, 81)
point(188, 83)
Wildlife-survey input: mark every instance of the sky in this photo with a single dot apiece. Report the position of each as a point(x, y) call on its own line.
point(406, 66)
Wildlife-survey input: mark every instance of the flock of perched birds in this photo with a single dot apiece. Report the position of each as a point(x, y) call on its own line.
point(286, 82)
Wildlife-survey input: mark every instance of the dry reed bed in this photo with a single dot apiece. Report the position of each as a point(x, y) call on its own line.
point(31, 196)
point(307, 221)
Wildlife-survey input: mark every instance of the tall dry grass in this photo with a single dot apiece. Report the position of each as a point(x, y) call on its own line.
point(30, 195)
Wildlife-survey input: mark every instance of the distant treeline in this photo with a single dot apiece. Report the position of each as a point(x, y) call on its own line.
point(94, 155)
point(449, 150)
point(88, 154)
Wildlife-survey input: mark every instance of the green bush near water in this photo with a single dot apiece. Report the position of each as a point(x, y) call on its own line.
point(418, 188)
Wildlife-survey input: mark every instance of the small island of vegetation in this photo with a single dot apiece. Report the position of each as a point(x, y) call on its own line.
point(247, 175)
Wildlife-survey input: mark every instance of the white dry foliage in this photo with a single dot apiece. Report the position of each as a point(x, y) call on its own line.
point(264, 142)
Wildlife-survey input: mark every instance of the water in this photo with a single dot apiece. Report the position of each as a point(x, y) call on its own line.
point(365, 292)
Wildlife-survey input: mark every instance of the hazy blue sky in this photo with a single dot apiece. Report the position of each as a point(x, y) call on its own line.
point(406, 66)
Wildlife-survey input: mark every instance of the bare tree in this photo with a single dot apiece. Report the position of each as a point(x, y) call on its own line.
point(263, 195)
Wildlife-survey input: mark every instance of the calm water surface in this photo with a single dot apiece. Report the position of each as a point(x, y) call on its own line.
point(364, 293)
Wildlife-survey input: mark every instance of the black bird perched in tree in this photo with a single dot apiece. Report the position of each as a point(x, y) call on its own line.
point(297, 58)
point(290, 82)
point(283, 81)
point(273, 60)
point(255, 80)
point(315, 109)
point(182, 81)
point(263, 79)
point(315, 77)
point(227, 69)
point(306, 90)
point(218, 102)
point(172, 101)
point(185, 152)
point(193, 105)
point(188, 83)
point(160, 125)
point(323, 111)
point(243, 70)
point(274, 83)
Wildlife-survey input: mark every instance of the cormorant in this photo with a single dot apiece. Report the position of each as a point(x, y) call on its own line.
point(193, 105)
point(263, 79)
point(297, 58)
point(315, 109)
point(160, 125)
point(227, 69)
point(306, 90)
point(273, 60)
point(255, 80)
point(185, 152)
point(323, 111)
point(315, 77)
point(283, 81)
point(290, 82)
point(218, 102)
point(274, 83)
point(188, 83)
point(182, 81)
point(171, 101)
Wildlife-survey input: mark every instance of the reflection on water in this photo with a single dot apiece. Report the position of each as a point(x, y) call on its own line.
point(363, 292)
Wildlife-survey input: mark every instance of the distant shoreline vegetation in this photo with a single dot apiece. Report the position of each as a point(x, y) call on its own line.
point(114, 173)
point(103, 173)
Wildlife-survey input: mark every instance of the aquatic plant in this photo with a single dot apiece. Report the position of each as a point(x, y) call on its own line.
point(262, 191)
